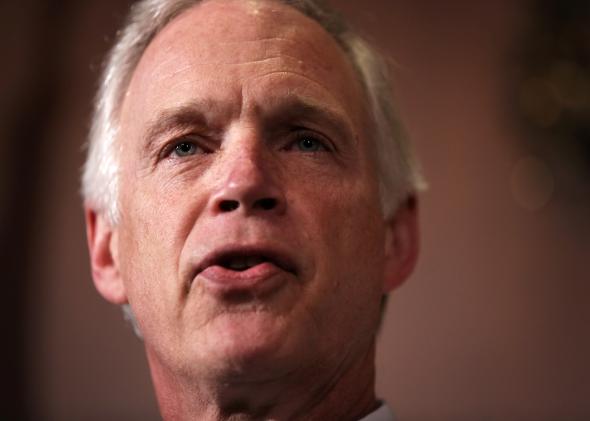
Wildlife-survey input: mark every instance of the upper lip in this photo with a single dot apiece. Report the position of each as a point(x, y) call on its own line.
point(271, 254)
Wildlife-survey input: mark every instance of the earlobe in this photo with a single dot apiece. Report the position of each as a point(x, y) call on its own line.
point(402, 244)
point(103, 248)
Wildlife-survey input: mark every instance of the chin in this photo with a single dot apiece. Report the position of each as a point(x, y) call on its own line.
point(248, 343)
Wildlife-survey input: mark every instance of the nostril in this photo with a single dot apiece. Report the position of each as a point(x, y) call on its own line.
point(228, 205)
point(266, 203)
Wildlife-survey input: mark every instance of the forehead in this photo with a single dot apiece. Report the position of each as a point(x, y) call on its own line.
point(231, 30)
point(218, 42)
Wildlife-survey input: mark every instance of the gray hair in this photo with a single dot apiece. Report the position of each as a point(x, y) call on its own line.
point(398, 170)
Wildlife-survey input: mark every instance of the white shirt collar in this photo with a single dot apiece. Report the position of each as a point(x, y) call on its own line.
point(383, 413)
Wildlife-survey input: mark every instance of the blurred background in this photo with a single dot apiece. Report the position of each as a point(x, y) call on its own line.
point(493, 325)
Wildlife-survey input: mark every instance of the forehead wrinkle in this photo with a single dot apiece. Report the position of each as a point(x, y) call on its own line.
point(249, 53)
point(283, 45)
point(312, 101)
point(263, 60)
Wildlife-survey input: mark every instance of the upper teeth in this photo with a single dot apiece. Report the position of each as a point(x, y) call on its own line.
point(243, 262)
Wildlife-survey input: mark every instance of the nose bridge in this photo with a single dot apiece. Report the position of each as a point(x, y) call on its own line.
point(244, 166)
point(248, 178)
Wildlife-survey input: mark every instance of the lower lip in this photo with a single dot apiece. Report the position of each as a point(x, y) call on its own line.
point(258, 280)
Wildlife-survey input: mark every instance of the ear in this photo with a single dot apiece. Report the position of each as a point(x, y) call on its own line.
point(103, 247)
point(402, 244)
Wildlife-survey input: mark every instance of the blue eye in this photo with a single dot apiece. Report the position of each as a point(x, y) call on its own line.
point(185, 149)
point(309, 144)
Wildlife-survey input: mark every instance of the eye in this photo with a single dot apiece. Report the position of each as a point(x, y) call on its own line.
point(308, 143)
point(184, 149)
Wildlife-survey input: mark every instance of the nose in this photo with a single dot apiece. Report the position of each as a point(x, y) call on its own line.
point(249, 185)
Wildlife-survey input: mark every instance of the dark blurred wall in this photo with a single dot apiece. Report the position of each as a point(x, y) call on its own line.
point(494, 323)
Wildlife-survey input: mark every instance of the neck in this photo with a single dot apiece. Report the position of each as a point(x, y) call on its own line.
point(345, 392)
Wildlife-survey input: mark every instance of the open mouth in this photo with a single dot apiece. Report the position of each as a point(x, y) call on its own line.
point(242, 272)
point(241, 263)
point(243, 259)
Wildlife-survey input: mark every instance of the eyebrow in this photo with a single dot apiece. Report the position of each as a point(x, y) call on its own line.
point(295, 107)
point(175, 119)
point(276, 112)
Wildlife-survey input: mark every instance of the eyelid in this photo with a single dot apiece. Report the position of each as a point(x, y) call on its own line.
point(198, 141)
point(302, 133)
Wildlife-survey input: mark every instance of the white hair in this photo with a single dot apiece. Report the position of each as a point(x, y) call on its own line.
point(398, 171)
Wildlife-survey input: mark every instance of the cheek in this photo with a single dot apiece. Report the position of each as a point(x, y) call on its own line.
point(344, 227)
point(150, 245)
point(346, 214)
point(158, 208)
point(346, 288)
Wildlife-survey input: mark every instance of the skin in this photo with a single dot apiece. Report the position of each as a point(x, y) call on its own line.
point(224, 83)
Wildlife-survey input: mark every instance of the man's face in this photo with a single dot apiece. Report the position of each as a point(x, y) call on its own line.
point(251, 234)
